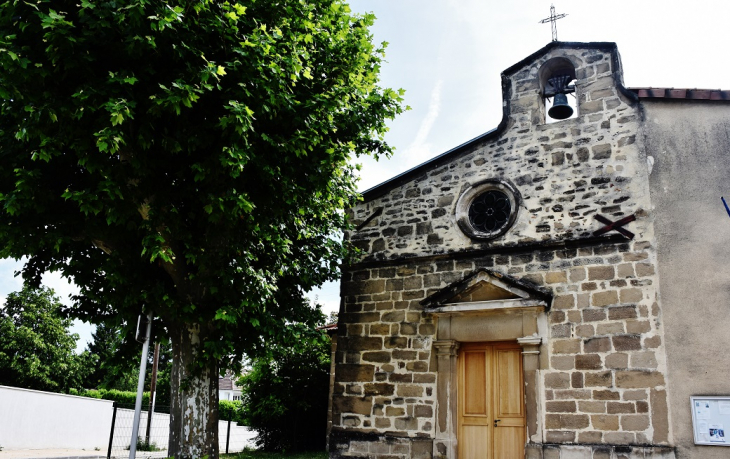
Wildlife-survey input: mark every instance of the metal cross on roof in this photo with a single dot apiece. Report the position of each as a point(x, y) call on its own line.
point(553, 17)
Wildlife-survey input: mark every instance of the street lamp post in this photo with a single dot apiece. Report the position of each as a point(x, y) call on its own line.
point(145, 340)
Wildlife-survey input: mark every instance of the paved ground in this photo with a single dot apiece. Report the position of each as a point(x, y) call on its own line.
point(67, 454)
point(52, 453)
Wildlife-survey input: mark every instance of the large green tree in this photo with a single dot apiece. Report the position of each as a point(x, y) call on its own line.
point(190, 157)
point(37, 350)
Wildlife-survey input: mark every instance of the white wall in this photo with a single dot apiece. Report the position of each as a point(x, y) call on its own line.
point(37, 420)
point(225, 394)
point(241, 436)
point(31, 419)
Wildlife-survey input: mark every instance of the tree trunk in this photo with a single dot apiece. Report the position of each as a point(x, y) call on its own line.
point(193, 397)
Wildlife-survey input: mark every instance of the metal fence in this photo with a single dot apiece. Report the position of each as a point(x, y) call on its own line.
point(152, 440)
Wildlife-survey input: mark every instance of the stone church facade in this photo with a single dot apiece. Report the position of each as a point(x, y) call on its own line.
point(507, 300)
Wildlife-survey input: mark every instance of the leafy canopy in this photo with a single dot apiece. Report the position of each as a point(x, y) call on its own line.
point(36, 347)
point(191, 156)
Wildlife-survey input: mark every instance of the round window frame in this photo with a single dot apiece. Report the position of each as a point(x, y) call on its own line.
point(475, 190)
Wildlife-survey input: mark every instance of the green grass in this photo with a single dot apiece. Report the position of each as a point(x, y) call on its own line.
point(252, 454)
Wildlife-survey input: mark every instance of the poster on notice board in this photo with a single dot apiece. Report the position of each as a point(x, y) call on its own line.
point(710, 418)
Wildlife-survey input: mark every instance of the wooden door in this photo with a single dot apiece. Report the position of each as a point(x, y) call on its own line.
point(491, 402)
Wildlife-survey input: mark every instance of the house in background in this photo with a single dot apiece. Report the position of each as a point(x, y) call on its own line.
point(554, 288)
point(227, 389)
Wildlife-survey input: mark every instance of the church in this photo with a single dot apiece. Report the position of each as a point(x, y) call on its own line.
point(557, 287)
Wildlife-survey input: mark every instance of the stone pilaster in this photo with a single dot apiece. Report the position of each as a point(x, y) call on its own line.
point(531, 373)
point(444, 445)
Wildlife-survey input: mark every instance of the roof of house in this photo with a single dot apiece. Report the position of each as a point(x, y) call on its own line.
point(679, 93)
point(330, 329)
point(226, 383)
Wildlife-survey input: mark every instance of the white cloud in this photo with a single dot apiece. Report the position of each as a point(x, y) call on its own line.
point(420, 150)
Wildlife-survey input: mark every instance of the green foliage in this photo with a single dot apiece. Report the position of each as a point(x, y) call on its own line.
point(230, 410)
point(36, 349)
point(285, 394)
point(147, 446)
point(192, 156)
point(107, 373)
point(227, 409)
point(116, 362)
point(123, 397)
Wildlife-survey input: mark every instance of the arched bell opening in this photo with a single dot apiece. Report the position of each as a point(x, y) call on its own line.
point(557, 86)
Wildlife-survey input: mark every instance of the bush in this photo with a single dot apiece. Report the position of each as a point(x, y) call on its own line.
point(145, 446)
point(122, 397)
point(230, 410)
point(126, 399)
point(285, 395)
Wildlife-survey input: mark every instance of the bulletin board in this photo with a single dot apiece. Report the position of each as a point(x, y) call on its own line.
point(710, 420)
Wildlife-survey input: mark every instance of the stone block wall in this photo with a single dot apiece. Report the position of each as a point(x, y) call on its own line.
point(606, 377)
point(392, 447)
point(566, 172)
point(384, 380)
point(603, 378)
point(602, 362)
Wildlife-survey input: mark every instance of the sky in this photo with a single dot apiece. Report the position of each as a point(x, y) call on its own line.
point(448, 56)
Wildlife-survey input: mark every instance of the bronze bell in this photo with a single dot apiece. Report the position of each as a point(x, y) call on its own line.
point(560, 109)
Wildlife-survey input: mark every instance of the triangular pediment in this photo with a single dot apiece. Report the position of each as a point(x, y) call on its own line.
point(484, 291)
point(487, 289)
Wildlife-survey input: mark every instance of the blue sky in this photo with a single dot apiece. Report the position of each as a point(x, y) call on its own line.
point(448, 56)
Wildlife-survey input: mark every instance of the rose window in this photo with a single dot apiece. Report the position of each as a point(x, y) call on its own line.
point(490, 211)
point(486, 210)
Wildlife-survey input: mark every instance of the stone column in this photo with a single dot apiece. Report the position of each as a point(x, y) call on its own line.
point(530, 370)
point(444, 446)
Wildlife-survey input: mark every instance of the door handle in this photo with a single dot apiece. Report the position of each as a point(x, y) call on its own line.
point(496, 421)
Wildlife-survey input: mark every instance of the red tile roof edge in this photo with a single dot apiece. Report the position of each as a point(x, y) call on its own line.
point(681, 93)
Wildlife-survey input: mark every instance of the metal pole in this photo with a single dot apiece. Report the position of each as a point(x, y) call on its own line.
point(140, 389)
point(153, 386)
point(111, 434)
point(228, 436)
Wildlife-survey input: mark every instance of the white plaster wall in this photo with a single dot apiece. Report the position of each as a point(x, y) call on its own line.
point(31, 419)
point(241, 436)
point(689, 142)
point(229, 394)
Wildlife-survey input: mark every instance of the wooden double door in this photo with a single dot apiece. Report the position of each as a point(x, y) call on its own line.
point(491, 401)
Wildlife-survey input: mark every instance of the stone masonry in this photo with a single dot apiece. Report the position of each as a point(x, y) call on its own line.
point(602, 367)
